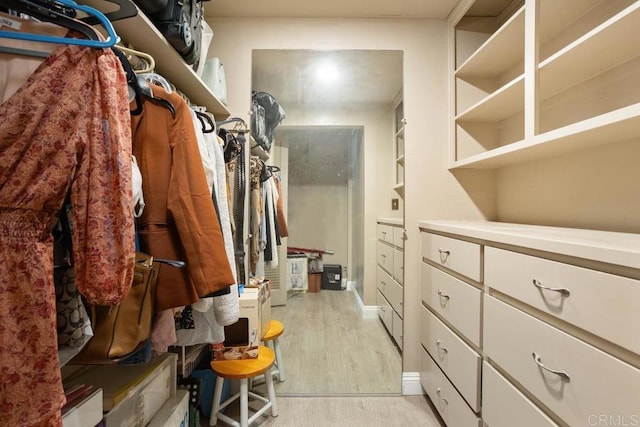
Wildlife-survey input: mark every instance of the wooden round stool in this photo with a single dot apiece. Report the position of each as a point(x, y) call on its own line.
point(270, 339)
point(243, 370)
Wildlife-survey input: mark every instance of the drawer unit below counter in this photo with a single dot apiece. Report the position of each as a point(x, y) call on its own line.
point(572, 378)
point(601, 303)
point(457, 255)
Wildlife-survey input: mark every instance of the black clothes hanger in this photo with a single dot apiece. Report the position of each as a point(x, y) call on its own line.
point(126, 10)
point(132, 80)
point(140, 87)
point(204, 120)
point(57, 14)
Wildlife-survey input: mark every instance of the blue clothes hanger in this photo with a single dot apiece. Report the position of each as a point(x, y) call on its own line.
point(111, 41)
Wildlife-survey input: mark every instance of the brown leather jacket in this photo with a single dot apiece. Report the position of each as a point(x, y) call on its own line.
point(179, 220)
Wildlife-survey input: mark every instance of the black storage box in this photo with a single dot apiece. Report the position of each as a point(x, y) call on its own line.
point(331, 277)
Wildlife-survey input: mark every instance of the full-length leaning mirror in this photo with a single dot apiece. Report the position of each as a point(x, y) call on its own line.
point(340, 121)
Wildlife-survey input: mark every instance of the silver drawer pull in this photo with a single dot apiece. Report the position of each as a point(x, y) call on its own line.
point(561, 374)
point(446, 401)
point(444, 255)
point(440, 348)
point(564, 291)
point(383, 255)
point(443, 295)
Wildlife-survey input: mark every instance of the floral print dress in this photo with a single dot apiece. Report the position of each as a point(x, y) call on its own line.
point(68, 125)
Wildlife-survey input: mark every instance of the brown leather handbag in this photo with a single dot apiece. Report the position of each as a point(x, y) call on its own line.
point(120, 330)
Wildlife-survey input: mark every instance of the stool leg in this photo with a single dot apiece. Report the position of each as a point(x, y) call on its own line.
point(271, 392)
point(244, 403)
point(215, 405)
point(279, 361)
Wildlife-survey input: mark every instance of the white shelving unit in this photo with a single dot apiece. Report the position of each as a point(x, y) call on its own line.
point(572, 83)
point(144, 36)
point(398, 147)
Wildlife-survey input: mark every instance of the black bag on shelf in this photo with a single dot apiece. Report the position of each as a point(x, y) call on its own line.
point(266, 115)
point(180, 21)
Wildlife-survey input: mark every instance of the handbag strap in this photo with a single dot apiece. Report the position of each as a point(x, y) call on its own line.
point(239, 209)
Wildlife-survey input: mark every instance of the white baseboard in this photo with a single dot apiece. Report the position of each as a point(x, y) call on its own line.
point(368, 311)
point(411, 384)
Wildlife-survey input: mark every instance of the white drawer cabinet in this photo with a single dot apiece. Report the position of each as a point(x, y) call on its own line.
point(390, 275)
point(449, 404)
point(455, 301)
point(385, 233)
point(553, 317)
point(385, 311)
point(397, 329)
point(583, 297)
point(459, 362)
point(385, 257)
point(572, 378)
point(398, 237)
point(458, 255)
point(502, 403)
point(398, 265)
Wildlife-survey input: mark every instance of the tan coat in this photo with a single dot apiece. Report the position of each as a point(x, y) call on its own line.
point(179, 220)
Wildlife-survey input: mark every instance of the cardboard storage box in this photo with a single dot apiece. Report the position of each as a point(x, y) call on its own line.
point(255, 314)
point(174, 413)
point(235, 352)
point(132, 394)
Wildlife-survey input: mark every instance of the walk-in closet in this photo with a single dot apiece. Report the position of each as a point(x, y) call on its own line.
point(338, 213)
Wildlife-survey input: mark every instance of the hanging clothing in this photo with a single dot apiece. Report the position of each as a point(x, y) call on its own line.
point(256, 211)
point(226, 307)
point(283, 228)
point(271, 251)
point(67, 125)
point(179, 221)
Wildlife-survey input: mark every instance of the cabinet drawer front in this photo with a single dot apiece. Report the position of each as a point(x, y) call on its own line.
point(394, 296)
point(398, 237)
point(456, 359)
point(502, 403)
point(597, 383)
point(385, 233)
point(397, 329)
point(398, 265)
point(454, 300)
point(457, 255)
point(593, 295)
point(383, 280)
point(385, 257)
point(449, 404)
point(384, 311)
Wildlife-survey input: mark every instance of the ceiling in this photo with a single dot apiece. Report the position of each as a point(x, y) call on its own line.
point(328, 8)
point(302, 77)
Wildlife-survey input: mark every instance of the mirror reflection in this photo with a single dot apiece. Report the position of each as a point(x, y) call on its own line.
point(339, 131)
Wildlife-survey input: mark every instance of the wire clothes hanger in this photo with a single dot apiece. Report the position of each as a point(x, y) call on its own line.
point(240, 125)
point(54, 13)
point(66, 22)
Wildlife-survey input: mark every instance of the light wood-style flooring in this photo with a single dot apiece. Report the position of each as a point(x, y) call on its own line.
point(341, 370)
point(329, 349)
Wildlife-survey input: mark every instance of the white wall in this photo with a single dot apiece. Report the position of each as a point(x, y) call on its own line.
point(597, 189)
point(431, 192)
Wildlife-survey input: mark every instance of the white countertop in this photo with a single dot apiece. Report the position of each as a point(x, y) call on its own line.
point(604, 246)
point(391, 221)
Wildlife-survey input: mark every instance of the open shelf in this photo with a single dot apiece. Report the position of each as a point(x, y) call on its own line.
point(593, 53)
point(501, 104)
point(501, 51)
point(144, 36)
point(399, 188)
point(611, 127)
